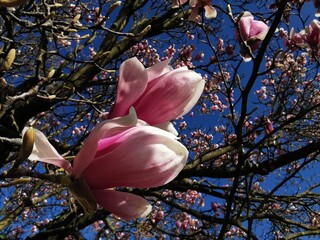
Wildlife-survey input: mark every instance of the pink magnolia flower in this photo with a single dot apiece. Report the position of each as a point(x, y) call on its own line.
point(312, 33)
point(252, 32)
point(158, 94)
point(295, 39)
point(210, 12)
point(121, 152)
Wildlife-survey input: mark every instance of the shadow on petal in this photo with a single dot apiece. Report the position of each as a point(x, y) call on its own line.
point(125, 205)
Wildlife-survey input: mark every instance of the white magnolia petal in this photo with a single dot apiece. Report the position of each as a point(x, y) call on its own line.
point(167, 126)
point(43, 151)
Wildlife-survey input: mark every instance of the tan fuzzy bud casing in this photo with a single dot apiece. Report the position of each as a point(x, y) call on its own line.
point(58, 5)
point(51, 73)
point(9, 60)
point(27, 144)
point(12, 3)
point(76, 18)
point(114, 6)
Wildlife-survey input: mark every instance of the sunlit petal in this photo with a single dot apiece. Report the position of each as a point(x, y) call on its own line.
point(140, 157)
point(43, 151)
point(133, 80)
point(102, 130)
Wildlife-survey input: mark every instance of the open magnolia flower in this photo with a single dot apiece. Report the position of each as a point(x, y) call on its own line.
point(121, 152)
point(252, 32)
point(158, 94)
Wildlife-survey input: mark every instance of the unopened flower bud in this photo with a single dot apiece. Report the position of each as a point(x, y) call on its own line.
point(12, 3)
point(9, 59)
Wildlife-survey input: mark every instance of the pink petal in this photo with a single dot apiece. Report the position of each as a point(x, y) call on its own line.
point(125, 205)
point(43, 151)
point(193, 98)
point(257, 27)
point(245, 25)
point(158, 69)
point(140, 157)
point(210, 12)
point(255, 41)
point(169, 96)
point(313, 33)
point(269, 126)
point(133, 80)
point(102, 130)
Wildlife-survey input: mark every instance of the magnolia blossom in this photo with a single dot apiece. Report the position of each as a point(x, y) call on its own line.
point(306, 38)
point(312, 33)
point(158, 94)
point(121, 152)
point(295, 39)
point(210, 12)
point(252, 32)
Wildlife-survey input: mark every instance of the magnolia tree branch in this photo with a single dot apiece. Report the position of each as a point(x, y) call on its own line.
point(61, 227)
point(263, 168)
point(109, 50)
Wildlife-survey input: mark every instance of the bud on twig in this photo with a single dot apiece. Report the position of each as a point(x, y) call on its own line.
point(76, 18)
point(51, 73)
point(229, 11)
point(12, 3)
point(113, 7)
point(141, 34)
point(9, 60)
point(26, 147)
point(3, 83)
point(57, 5)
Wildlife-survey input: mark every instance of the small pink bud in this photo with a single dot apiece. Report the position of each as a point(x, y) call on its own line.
point(269, 126)
point(178, 224)
point(199, 56)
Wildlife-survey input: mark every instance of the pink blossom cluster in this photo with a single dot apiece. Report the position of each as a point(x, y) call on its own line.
point(198, 141)
point(157, 217)
point(186, 56)
point(146, 53)
point(235, 232)
point(136, 146)
point(308, 38)
point(315, 219)
point(184, 222)
point(211, 101)
point(250, 33)
point(96, 226)
point(190, 198)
